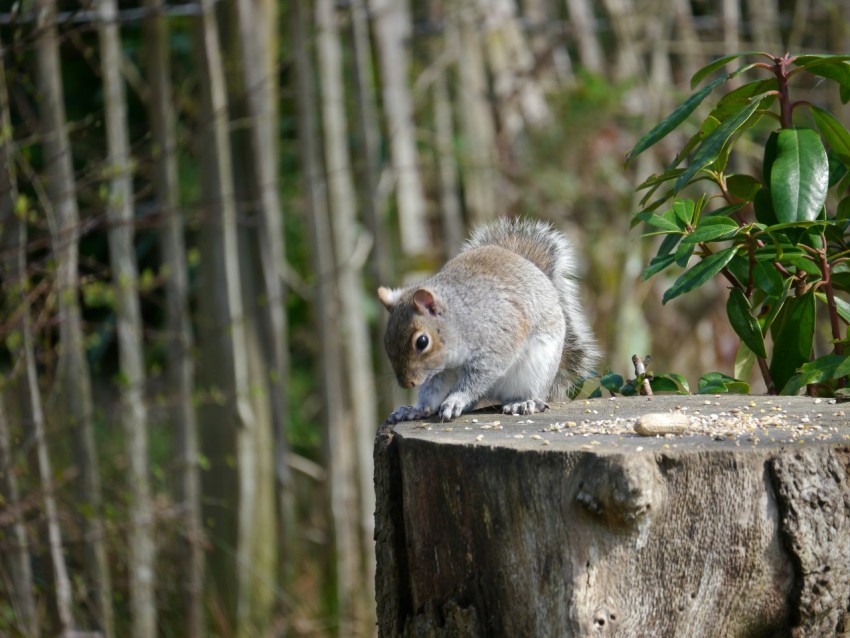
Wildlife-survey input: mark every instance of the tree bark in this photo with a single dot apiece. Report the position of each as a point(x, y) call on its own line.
point(337, 439)
point(529, 527)
point(180, 341)
point(764, 18)
point(34, 410)
point(392, 27)
point(15, 543)
point(624, 25)
point(230, 422)
point(480, 156)
point(372, 201)
point(71, 396)
point(354, 328)
point(13, 275)
point(444, 134)
point(689, 45)
point(549, 50)
point(122, 257)
point(15, 269)
point(258, 77)
point(519, 95)
point(799, 24)
point(584, 30)
point(730, 16)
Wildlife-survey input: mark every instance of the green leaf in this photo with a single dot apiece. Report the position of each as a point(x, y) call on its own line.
point(837, 167)
point(770, 150)
point(669, 123)
point(679, 380)
point(833, 68)
point(799, 178)
point(724, 211)
point(801, 225)
point(743, 323)
point(684, 253)
point(669, 243)
point(708, 69)
point(842, 211)
point(813, 59)
point(745, 359)
point(774, 305)
point(665, 383)
point(793, 336)
point(684, 211)
point(658, 264)
point(841, 306)
point(654, 205)
point(840, 280)
point(733, 101)
point(699, 274)
point(628, 390)
point(713, 144)
point(802, 263)
point(832, 130)
point(766, 278)
point(659, 221)
point(612, 382)
point(709, 124)
point(739, 266)
point(713, 229)
point(655, 180)
point(719, 383)
point(743, 186)
point(821, 370)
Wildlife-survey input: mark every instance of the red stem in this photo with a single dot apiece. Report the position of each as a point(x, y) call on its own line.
point(838, 348)
point(780, 70)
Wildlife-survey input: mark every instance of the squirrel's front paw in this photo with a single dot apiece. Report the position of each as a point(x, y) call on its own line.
point(452, 408)
point(525, 407)
point(408, 413)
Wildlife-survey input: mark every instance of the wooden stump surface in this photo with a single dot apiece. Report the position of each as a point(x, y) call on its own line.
point(567, 523)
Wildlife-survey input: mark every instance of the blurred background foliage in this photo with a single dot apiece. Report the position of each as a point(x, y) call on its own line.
point(358, 142)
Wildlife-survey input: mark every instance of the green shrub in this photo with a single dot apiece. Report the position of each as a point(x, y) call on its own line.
point(779, 239)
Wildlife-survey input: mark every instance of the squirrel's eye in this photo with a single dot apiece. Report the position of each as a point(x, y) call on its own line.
point(422, 342)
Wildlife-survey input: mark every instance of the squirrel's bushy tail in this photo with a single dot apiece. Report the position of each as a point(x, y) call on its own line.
point(551, 252)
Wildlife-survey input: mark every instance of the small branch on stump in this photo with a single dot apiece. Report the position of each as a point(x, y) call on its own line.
point(640, 375)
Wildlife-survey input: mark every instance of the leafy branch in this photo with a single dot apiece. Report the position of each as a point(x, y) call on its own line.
point(780, 238)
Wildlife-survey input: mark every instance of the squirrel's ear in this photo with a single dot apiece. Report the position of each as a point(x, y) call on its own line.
point(424, 301)
point(389, 297)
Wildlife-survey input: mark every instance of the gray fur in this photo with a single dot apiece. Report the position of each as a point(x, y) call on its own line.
point(551, 251)
point(503, 320)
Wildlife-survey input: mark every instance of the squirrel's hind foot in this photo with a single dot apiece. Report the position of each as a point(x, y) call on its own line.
point(525, 407)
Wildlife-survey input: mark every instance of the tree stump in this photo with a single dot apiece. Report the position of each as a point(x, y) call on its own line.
point(568, 523)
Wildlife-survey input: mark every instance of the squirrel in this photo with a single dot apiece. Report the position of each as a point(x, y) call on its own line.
point(501, 321)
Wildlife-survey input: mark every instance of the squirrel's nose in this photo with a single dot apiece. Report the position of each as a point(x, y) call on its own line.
point(409, 384)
